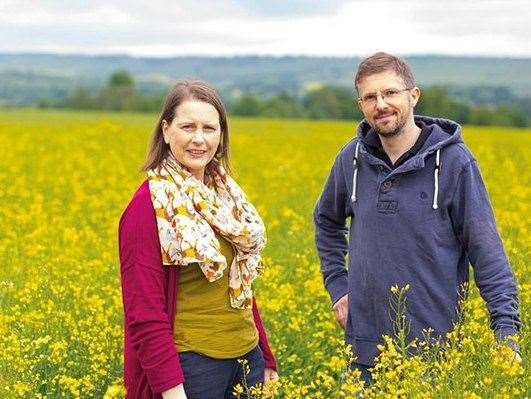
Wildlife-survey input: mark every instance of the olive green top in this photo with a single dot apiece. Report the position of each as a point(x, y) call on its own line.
point(205, 322)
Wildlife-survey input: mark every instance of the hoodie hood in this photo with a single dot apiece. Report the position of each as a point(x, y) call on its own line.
point(443, 133)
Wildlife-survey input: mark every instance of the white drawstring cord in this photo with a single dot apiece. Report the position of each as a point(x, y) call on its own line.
point(436, 176)
point(355, 175)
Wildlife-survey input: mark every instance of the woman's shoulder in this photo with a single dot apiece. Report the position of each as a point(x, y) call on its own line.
point(140, 207)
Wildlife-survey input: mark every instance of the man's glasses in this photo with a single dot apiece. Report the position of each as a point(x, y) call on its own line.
point(388, 95)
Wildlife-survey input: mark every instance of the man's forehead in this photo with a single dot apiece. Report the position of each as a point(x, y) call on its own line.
point(380, 80)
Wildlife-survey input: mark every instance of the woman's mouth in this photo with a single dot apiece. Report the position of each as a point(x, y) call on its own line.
point(196, 153)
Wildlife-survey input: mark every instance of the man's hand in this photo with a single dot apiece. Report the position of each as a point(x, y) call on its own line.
point(341, 311)
point(174, 393)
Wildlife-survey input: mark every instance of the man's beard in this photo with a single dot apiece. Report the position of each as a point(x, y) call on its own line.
point(391, 131)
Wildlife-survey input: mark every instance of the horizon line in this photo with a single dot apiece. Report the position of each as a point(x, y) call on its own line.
point(254, 55)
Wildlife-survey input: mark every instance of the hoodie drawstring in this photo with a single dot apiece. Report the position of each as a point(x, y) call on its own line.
point(436, 176)
point(355, 175)
point(435, 205)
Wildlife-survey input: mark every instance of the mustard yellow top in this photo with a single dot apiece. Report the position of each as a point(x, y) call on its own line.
point(204, 320)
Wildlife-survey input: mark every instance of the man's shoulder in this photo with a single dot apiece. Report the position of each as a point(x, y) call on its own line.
point(348, 149)
point(456, 156)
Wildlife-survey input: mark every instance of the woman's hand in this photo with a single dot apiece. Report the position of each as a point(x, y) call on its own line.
point(270, 375)
point(174, 393)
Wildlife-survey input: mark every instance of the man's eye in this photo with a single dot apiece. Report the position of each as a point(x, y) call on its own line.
point(369, 97)
point(390, 93)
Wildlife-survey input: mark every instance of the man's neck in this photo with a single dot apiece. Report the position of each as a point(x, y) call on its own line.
point(397, 145)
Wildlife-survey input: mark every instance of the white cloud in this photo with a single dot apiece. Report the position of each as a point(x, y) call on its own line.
point(234, 27)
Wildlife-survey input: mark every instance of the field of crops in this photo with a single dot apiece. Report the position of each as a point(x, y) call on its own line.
point(65, 179)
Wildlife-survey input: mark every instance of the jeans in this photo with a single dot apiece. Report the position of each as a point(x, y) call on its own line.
point(365, 373)
point(208, 378)
point(366, 376)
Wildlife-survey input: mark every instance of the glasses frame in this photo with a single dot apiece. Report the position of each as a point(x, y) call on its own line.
point(398, 91)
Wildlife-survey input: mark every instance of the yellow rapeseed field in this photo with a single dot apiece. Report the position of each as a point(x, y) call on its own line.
point(65, 179)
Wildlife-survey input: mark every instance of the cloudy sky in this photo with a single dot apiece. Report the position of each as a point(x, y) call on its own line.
point(223, 27)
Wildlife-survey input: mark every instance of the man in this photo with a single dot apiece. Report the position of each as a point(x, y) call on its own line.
point(418, 211)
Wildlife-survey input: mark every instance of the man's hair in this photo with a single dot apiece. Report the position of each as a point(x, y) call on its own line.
point(383, 62)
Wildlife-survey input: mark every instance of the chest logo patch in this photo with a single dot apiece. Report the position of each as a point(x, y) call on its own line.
point(387, 206)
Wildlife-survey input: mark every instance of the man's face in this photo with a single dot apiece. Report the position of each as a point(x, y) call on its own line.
point(387, 103)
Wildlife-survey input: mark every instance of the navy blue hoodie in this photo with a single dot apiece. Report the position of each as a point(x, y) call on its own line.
point(419, 224)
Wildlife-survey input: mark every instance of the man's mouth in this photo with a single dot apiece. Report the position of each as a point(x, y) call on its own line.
point(384, 116)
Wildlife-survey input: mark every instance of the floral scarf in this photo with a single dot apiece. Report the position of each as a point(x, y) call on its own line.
point(189, 213)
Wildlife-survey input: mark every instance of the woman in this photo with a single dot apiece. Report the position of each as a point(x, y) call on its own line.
point(189, 249)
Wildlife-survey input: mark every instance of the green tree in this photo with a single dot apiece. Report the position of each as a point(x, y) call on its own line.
point(435, 101)
point(121, 78)
point(80, 98)
point(283, 106)
point(247, 105)
point(119, 92)
point(499, 116)
point(331, 102)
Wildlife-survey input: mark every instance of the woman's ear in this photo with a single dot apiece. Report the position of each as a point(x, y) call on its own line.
point(164, 126)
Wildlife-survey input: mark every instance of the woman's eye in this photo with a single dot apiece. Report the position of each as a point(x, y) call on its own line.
point(209, 129)
point(188, 128)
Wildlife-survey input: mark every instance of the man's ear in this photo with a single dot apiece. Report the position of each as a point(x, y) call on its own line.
point(415, 94)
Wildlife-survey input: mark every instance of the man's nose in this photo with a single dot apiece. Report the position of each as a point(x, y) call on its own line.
point(380, 102)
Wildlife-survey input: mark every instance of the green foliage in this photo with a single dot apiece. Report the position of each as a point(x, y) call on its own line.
point(331, 102)
point(248, 105)
point(325, 102)
point(120, 94)
point(435, 101)
point(120, 79)
point(500, 116)
point(283, 106)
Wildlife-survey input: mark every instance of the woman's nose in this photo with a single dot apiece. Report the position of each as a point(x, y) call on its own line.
point(198, 136)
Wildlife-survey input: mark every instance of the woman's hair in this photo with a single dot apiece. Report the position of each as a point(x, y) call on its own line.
point(383, 62)
point(185, 90)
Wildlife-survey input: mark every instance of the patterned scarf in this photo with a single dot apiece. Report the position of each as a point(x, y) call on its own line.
point(189, 213)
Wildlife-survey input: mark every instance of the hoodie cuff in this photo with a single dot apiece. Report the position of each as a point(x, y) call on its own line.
point(337, 288)
point(503, 336)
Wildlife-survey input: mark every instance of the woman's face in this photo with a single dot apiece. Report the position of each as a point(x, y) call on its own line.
point(193, 135)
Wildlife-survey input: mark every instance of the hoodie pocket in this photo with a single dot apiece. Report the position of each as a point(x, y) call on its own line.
point(362, 322)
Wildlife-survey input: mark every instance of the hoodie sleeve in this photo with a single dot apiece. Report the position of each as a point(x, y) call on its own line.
point(475, 226)
point(329, 217)
point(143, 294)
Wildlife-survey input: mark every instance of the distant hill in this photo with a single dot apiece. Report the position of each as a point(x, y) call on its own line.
point(28, 78)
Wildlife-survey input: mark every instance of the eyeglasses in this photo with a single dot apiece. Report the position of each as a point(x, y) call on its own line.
point(388, 95)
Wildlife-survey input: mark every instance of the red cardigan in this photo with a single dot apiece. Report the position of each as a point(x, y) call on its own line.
point(151, 360)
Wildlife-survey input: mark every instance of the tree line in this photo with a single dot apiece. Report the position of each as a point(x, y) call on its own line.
point(323, 102)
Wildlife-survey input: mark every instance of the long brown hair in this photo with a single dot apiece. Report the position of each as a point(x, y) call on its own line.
point(182, 91)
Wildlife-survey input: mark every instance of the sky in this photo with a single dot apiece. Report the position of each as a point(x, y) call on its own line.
point(242, 27)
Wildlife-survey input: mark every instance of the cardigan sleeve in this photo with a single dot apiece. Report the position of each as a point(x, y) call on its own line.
point(269, 359)
point(146, 318)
